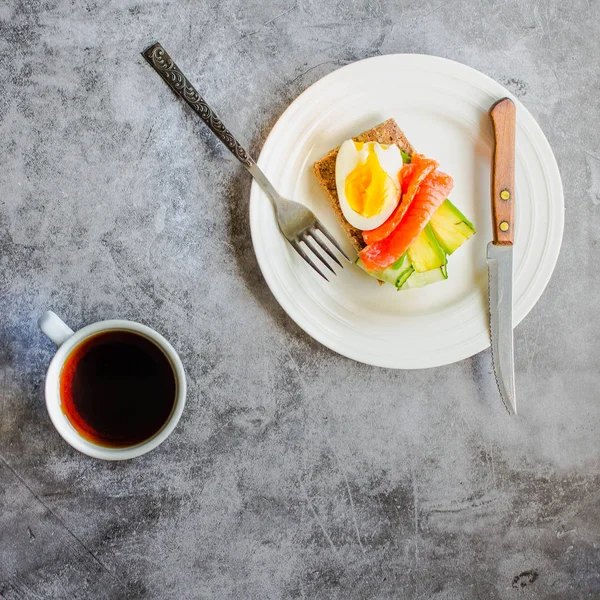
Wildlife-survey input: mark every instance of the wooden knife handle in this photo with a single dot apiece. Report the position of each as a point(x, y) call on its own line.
point(504, 119)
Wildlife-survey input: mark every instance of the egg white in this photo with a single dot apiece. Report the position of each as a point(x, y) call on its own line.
point(348, 158)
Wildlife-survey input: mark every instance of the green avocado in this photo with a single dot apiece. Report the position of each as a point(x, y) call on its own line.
point(425, 253)
point(451, 228)
point(396, 274)
point(417, 280)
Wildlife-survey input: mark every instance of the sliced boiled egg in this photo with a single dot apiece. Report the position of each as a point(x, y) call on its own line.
point(366, 177)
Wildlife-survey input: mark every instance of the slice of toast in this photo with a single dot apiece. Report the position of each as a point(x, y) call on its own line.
point(387, 132)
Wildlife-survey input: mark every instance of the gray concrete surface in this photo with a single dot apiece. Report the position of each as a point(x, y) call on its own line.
point(294, 473)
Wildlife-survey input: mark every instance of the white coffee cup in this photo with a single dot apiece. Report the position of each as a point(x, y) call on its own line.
point(66, 340)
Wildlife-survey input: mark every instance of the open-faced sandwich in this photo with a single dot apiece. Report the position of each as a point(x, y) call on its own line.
point(393, 204)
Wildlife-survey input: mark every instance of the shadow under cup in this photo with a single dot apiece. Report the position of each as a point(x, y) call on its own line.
point(117, 388)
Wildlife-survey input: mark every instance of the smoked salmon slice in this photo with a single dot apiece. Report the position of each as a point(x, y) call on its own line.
point(411, 176)
point(433, 190)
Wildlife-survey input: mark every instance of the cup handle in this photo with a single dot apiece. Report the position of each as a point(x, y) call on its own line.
point(56, 329)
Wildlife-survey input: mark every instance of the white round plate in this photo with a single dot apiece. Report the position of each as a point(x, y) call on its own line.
point(442, 106)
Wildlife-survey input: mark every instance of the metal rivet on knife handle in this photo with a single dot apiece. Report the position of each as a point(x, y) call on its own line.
point(505, 195)
point(504, 226)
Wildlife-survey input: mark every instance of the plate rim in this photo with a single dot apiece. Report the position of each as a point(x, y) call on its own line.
point(549, 166)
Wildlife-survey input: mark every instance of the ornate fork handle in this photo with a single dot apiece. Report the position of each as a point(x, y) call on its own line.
point(164, 65)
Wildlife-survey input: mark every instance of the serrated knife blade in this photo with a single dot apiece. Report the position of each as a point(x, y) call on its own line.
point(500, 251)
point(500, 275)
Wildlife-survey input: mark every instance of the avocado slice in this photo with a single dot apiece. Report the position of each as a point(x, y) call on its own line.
point(405, 270)
point(396, 274)
point(451, 228)
point(425, 253)
point(417, 280)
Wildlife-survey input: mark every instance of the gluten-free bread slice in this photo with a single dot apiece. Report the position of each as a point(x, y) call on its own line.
point(388, 133)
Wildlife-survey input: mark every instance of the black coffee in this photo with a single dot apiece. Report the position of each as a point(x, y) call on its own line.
point(117, 388)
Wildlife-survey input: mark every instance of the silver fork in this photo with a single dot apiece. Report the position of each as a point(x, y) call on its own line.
point(297, 223)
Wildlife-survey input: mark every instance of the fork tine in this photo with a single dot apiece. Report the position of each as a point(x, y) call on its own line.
point(298, 249)
point(304, 237)
point(323, 245)
point(326, 233)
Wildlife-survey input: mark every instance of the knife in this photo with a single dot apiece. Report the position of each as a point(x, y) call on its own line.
point(500, 251)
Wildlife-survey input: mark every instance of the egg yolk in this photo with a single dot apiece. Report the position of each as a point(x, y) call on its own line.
point(367, 186)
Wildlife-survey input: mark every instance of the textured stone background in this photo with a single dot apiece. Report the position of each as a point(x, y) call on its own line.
point(294, 473)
